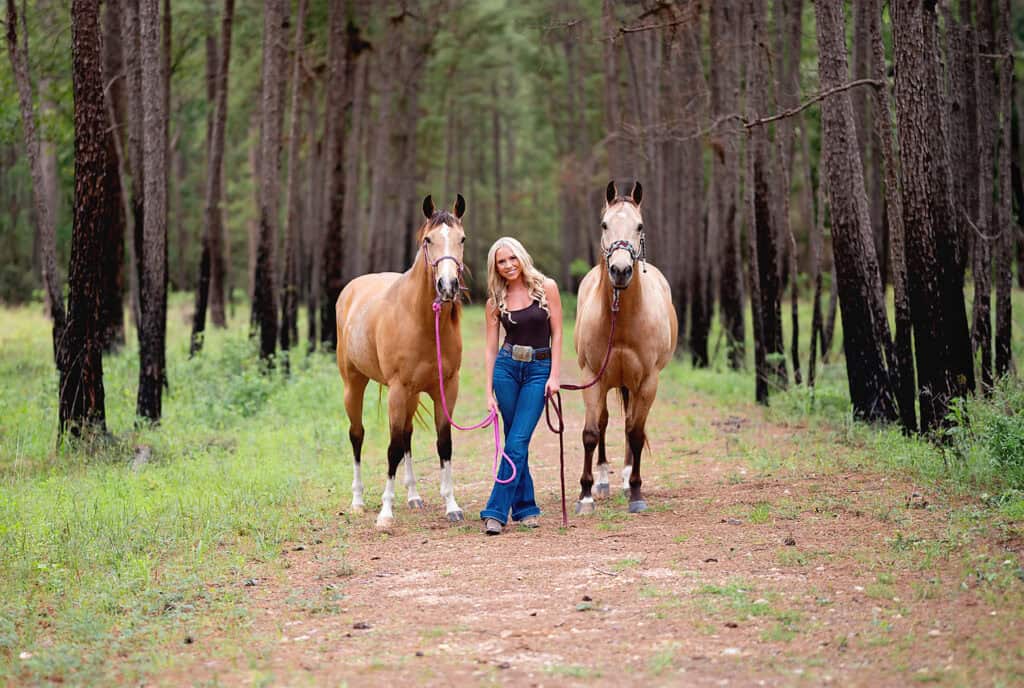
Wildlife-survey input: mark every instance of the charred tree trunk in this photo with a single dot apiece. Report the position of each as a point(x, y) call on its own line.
point(865, 329)
point(985, 215)
point(346, 45)
point(726, 173)
point(901, 364)
point(1005, 243)
point(153, 280)
point(212, 266)
point(765, 232)
point(112, 305)
point(79, 354)
point(290, 290)
point(265, 289)
point(935, 277)
point(133, 72)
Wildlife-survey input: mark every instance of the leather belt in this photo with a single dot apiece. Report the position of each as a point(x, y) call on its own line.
point(526, 353)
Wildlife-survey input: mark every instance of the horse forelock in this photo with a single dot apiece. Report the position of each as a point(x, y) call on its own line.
point(440, 217)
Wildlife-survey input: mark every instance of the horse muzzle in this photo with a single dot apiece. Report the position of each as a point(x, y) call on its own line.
point(620, 275)
point(447, 288)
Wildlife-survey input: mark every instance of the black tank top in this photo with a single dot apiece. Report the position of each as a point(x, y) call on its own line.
point(528, 326)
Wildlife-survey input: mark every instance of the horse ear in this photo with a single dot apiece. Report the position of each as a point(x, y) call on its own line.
point(637, 193)
point(610, 193)
point(460, 206)
point(428, 206)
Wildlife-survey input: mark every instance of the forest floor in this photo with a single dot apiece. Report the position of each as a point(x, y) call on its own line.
point(762, 561)
point(782, 546)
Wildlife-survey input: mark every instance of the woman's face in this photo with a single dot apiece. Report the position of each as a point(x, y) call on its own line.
point(507, 264)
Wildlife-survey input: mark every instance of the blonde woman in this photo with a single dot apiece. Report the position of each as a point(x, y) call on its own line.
point(521, 373)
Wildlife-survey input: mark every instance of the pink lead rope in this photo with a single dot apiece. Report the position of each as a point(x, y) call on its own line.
point(492, 416)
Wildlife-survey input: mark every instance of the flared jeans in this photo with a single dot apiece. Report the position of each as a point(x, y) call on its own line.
point(519, 390)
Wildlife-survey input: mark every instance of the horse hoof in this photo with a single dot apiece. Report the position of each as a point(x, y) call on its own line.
point(584, 508)
point(625, 491)
point(602, 490)
point(637, 506)
point(385, 524)
point(455, 516)
point(357, 509)
point(416, 503)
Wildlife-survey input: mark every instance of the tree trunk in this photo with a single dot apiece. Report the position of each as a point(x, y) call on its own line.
point(860, 287)
point(265, 301)
point(44, 215)
point(289, 292)
point(133, 71)
point(79, 355)
point(935, 284)
point(764, 229)
point(984, 215)
point(901, 364)
point(153, 281)
point(113, 272)
point(210, 289)
point(726, 174)
point(617, 157)
point(1005, 243)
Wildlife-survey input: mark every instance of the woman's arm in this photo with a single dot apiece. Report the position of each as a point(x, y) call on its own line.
point(555, 308)
point(490, 350)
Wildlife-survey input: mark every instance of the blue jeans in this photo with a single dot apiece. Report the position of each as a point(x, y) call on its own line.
point(519, 389)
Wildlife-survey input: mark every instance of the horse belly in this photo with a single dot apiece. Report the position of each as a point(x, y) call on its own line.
point(357, 311)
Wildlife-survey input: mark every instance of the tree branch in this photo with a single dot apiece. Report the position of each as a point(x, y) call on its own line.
point(819, 97)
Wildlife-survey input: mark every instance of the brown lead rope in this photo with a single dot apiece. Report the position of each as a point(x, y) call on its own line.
point(555, 400)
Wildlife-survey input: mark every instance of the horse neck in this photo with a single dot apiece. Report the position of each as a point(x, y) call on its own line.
point(417, 290)
point(630, 298)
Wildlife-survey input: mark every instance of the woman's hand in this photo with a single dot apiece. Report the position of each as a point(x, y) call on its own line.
point(492, 403)
point(551, 387)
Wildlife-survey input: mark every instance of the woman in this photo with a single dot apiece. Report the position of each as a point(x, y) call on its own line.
point(522, 373)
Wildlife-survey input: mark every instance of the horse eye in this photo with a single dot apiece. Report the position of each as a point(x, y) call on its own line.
point(427, 239)
point(463, 240)
point(640, 227)
point(604, 225)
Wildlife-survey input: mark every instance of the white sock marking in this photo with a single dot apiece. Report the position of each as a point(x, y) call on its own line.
point(626, 470)
point(448, 489)
point(410, 479)
point(357, 486)
point(602, 474)
point(386, 516)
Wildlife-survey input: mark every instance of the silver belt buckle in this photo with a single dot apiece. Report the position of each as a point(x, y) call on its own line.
point(522, 353)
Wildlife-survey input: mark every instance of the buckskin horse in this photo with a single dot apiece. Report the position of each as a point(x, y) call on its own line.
point(644, 340)
point(386, 333)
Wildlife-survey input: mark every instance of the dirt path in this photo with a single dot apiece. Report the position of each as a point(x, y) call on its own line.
point(748, 570)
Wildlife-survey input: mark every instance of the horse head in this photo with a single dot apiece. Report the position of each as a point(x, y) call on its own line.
point(442, 240)
point(622, 233)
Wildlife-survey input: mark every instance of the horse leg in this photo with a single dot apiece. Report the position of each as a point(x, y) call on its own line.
point(601, 488)
point(596, 405)
point(627, 461)
point(412, 497)
point(398, 401)
point(452, 509)
point(636, 422)
point(355, 385)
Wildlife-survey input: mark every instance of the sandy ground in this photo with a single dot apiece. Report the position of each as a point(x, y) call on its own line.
point(749, 568)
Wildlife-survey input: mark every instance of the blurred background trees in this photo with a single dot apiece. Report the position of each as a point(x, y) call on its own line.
point(299, 136)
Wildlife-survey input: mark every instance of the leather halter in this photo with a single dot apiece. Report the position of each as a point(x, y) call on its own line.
point(432, 265)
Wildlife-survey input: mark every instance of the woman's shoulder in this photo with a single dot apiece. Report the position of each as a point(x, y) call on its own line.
point(550, 285)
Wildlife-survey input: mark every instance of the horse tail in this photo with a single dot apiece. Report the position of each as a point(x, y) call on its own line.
point(419, 416)
point(624, 398)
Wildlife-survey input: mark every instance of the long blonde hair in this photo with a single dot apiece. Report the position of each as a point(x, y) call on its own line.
point(497, 287)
